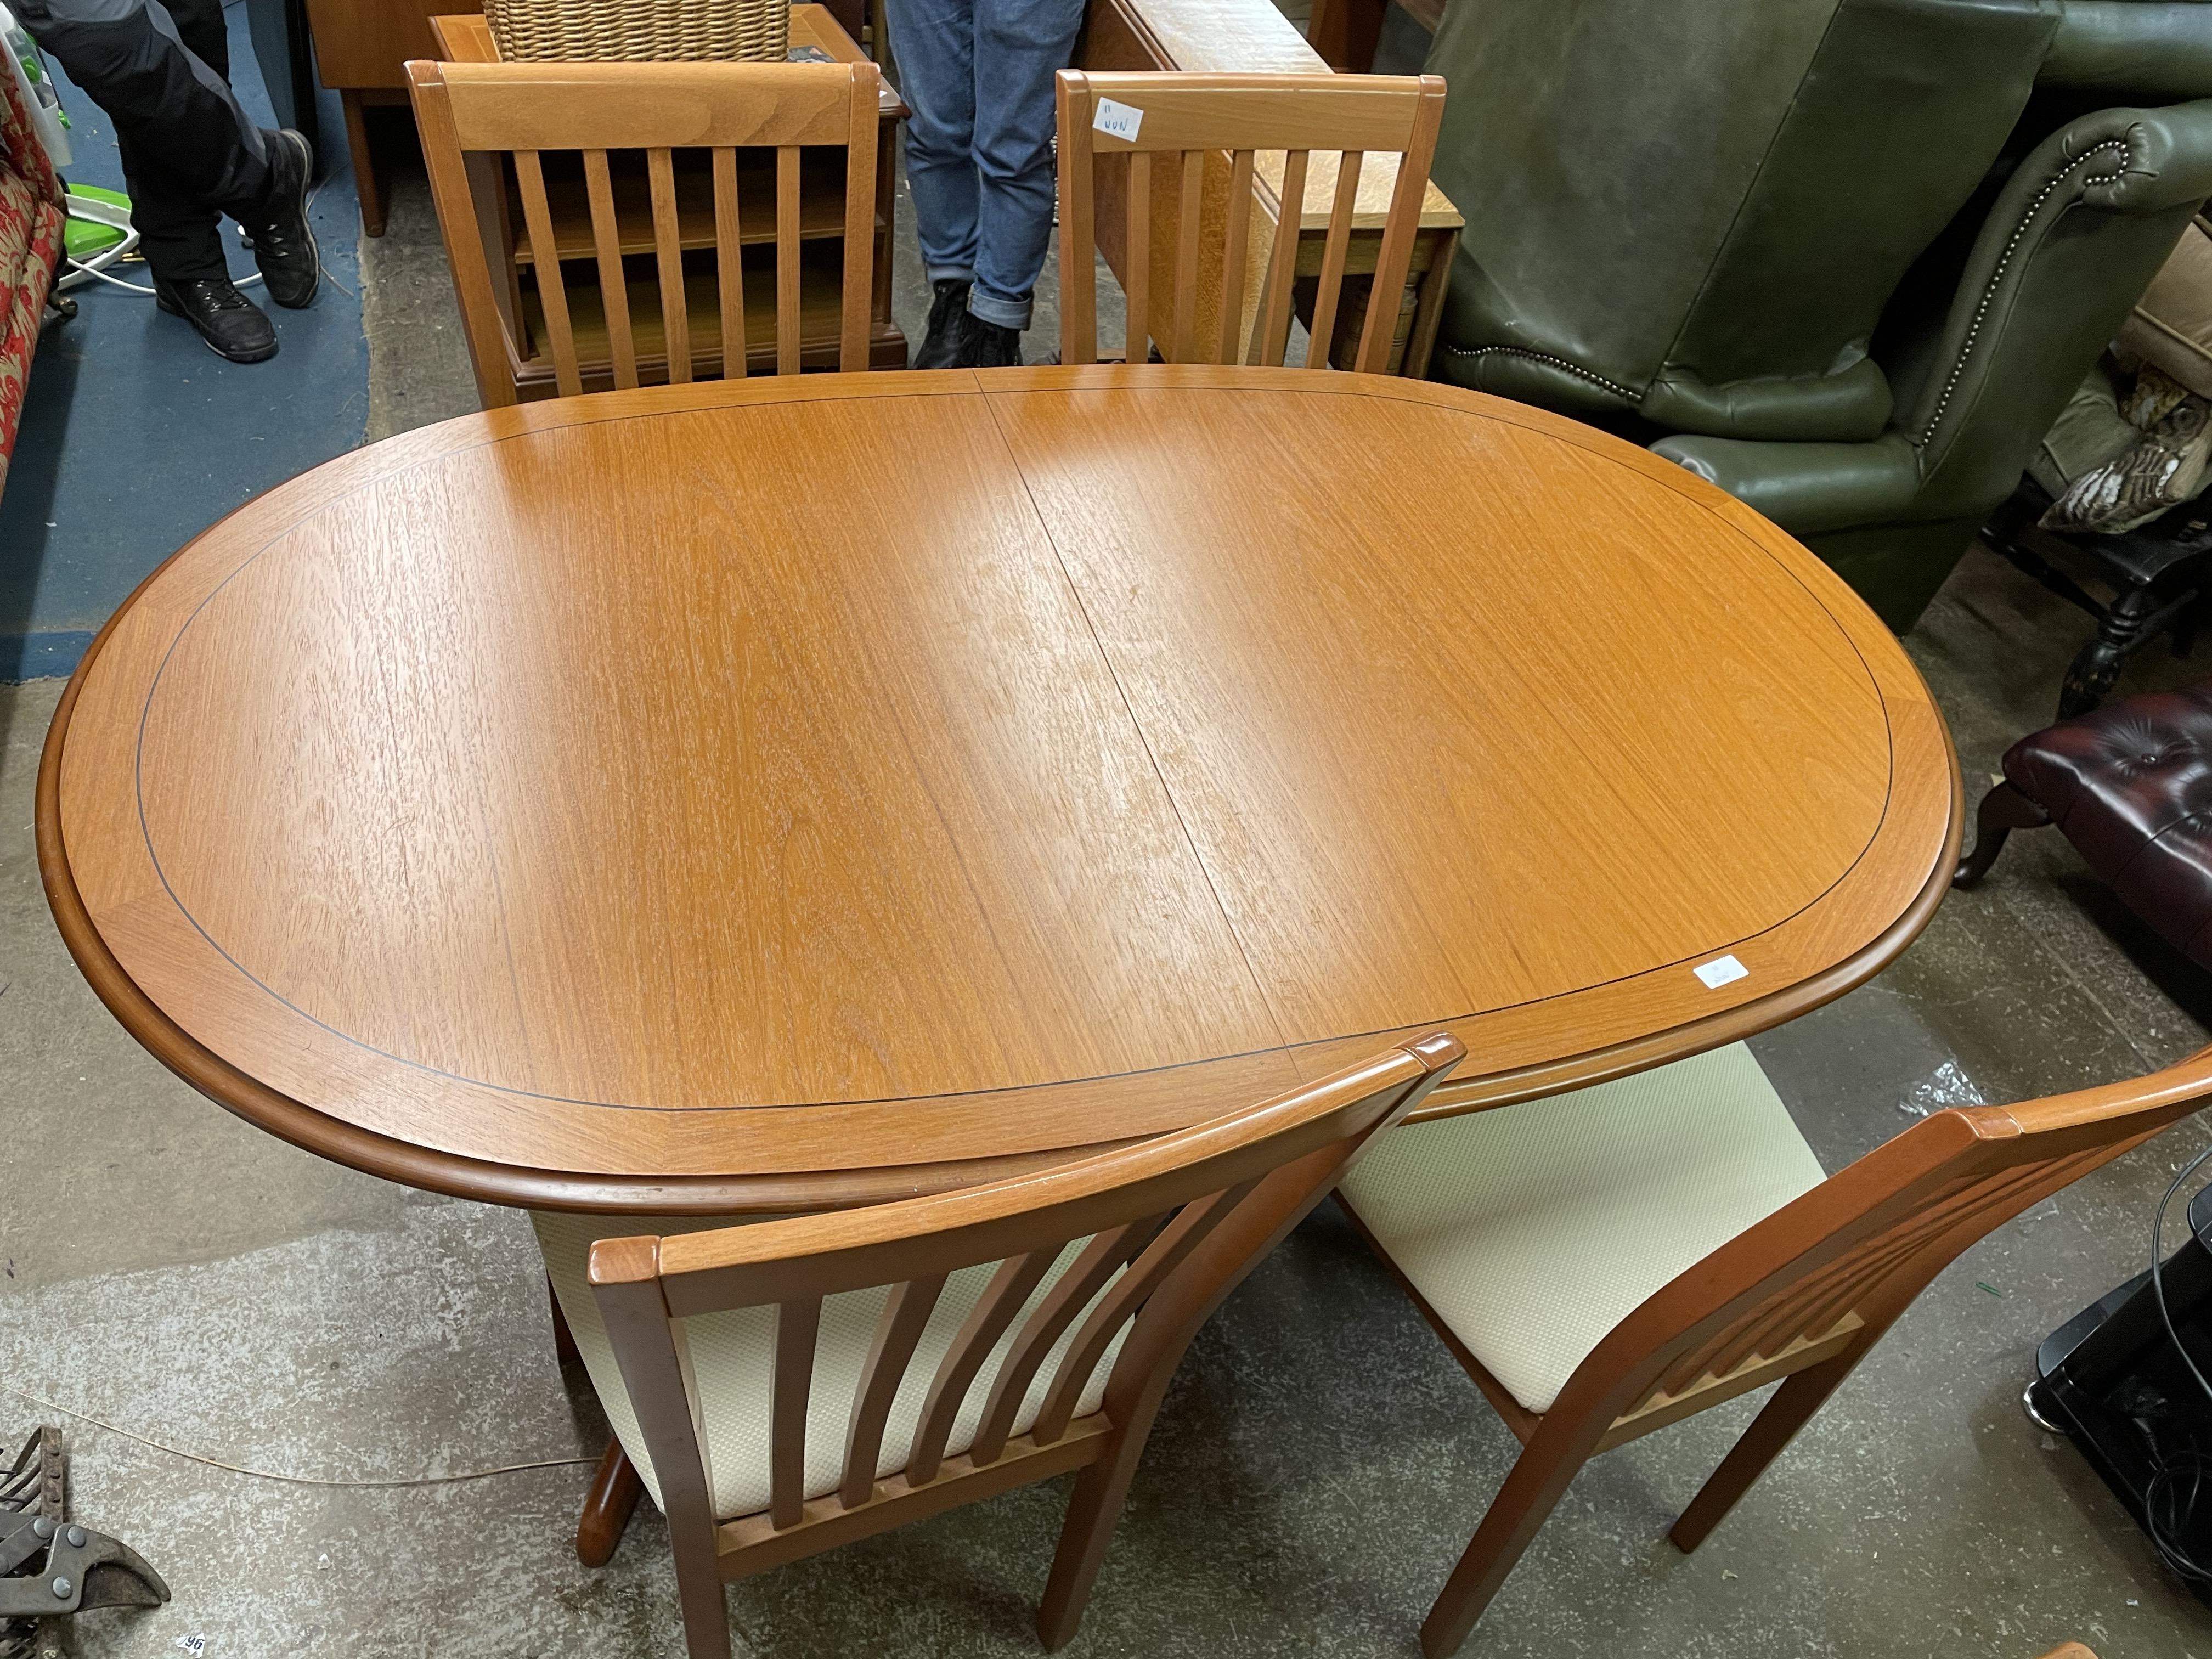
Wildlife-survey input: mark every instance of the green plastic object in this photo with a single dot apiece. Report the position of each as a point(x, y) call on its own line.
point(83, 238)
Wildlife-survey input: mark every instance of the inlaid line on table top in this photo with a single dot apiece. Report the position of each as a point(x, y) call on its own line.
point(1195, 703)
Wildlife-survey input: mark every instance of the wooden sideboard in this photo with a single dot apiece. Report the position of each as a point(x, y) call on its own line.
point(360, 49)
point(1253, 37)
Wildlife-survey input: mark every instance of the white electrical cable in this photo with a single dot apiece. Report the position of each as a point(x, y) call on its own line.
point(99, 275)
point(295, 1479)
point(125, 250)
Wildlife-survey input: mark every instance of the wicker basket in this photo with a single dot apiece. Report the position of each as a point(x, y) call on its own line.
point(640, 31)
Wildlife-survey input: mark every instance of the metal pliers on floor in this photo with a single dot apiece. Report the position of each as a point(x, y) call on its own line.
point(53, 1567)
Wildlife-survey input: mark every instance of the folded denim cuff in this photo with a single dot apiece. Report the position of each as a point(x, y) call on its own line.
point(995, 308)
point(937, 274)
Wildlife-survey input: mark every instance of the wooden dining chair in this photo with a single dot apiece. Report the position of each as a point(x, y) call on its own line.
point(639, 188)
point(787, 1385)
point(1610, 1261)
point(1112, 126)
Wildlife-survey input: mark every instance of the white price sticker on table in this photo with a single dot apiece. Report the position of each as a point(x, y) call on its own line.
point(1721, 970)
point(1118, 120)
point(192, 1645)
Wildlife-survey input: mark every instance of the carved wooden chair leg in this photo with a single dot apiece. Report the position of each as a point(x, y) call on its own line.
point(2002, 811)
point(1791, 1408)
point(1540, 1477)
point(607, 1507)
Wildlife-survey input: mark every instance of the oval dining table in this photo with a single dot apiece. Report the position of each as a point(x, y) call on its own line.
point(789, 793)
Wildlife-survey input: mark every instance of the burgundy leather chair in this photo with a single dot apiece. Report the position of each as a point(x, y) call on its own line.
point(2131, 785)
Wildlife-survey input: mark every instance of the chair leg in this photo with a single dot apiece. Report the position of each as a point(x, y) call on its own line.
point(1092, 1511)
point(699, 1589)
point(2002, 811)
point(1791, 1408)
point(607, 1508)
point(1538, 1480)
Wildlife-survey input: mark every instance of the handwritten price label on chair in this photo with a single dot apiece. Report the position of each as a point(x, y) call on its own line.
point(1118, 120)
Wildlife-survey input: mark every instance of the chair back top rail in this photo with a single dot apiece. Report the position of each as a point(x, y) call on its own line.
point(885, 1243)
point(557, 105)
point(1182, 112)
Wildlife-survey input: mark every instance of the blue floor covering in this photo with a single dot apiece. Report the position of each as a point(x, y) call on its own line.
point(136, 437)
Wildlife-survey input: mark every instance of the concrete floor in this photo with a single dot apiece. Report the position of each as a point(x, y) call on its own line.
point(1321, 1459)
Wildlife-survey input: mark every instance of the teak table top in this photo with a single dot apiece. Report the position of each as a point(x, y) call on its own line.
point(801, 790)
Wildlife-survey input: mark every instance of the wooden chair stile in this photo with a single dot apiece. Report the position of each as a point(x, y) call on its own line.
point(1185, 117)
point(471, 114)
point(606, 250)
point(1799, 1296)
point(729, 262)
point(1076, 1289)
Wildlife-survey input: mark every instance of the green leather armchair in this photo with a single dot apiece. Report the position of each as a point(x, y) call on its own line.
point(1847, 259)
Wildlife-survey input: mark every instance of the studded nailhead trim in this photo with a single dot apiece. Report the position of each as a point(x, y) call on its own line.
point(1997, 276)
point(1575, 369)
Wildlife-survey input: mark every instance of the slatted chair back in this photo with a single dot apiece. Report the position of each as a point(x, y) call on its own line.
point(1836, 1266)
point(1161, 1231)
point(1804, 1295)
point(472, 116)
point(1336, 119)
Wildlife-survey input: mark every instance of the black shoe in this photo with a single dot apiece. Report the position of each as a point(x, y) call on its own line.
point(284, 246)
point(942, 347)
point(995, 347)
point(232, 325)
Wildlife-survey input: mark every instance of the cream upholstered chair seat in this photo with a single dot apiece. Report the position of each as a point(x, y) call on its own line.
point(1532, 1230)
point(731, 1357)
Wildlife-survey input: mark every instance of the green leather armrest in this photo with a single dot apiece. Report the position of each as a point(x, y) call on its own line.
point(2135, 48)
point(1807, 488)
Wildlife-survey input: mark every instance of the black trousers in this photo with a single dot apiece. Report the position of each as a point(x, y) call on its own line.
point(190, 153)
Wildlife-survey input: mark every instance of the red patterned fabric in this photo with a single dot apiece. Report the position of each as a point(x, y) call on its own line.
point(31, 218)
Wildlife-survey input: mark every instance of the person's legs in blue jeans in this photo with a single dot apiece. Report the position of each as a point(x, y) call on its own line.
point(935, 40)
point(1020, 45)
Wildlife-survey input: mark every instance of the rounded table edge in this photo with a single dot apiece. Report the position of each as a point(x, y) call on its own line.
point(485, 1181)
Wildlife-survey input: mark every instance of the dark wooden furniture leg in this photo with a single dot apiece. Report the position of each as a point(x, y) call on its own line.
point(2156, 573)
point(2002, 811)
point(2096, 668)
point(1345, 33)
point(564, 1340)
point(365, 184)
point(607, 1507)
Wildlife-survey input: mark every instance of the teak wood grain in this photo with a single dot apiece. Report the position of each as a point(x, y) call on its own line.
point(781, 792)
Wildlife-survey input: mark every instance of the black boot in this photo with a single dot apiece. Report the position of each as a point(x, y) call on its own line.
point(283, 244)
point(995, 347)
point(946, 344)
point(232, 325)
